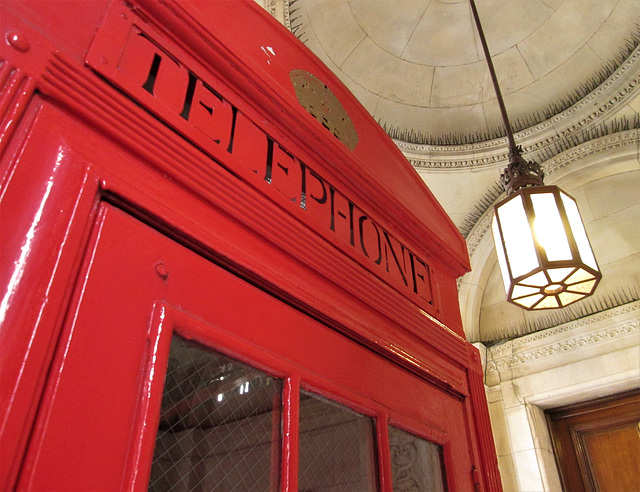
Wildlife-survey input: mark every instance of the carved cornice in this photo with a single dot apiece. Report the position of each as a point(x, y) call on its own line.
point(592, 110)
point(589, 148)
point(578, 336)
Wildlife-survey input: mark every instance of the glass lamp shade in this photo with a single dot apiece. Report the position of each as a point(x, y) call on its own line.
point(543, 250)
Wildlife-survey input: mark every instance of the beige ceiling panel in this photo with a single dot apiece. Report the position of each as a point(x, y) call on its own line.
point(459, 201)
point(402, 115)
point(620, 275)
point(512, 71)
point(616, 236)
point(553, 4)
point(432, 121)
point(334, 26)
point(506, 23)
point(557, 83)
point(613, 194)
point(612, 35)
point(564, 34)
point(494, 288)
point(514, 102)
point(387, 25)
point(444, 36)
point(368, 99)
point(497, 315)
point(392, 78)
point(456, 86)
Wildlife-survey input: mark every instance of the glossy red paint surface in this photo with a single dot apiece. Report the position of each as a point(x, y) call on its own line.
point(123, 221)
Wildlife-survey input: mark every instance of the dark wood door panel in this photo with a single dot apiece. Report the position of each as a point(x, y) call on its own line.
point(597, 443)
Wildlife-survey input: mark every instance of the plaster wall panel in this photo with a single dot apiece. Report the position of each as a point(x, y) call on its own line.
point(497, 314)
point(634, 104)
point(548, 470)
point(499, 425)
point(613, 193)
point(494, 290)
point(502, 441)
point(517, 418)
point(508, 473)
point(595, 372)
point(528, 471)
point(615, 236)
point(538, 424)
point(510, 393)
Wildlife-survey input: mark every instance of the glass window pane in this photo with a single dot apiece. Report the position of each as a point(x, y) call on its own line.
point(416, 464)
point(520, 248)
point(579, 234)
point(337, 448)
point(549, 228)
point(219, 424)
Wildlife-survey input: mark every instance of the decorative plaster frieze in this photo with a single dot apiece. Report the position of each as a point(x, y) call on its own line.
point(509, 355)
point(590, 111)
point(589, 148)
point(587, 321)
point(479, 230)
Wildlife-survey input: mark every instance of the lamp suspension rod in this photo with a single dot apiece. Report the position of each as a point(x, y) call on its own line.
point(513, 149)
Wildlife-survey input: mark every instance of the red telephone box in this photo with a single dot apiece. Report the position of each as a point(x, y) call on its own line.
point(217, 271)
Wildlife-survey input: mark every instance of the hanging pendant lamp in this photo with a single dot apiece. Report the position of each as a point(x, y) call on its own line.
point(543, 251)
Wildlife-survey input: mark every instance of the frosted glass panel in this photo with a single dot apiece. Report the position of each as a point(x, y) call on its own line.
point(416, 464)
point(500, 252)
point(517, 236)
point(337, 448)
point(579, 233)
point(548, 227)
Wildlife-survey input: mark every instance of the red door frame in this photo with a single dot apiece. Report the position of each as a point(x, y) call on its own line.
point(69, 141)
point(107, 377)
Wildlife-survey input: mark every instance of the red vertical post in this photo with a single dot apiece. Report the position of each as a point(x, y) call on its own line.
point(290, 433)
point(384, 451)
point(490, 472)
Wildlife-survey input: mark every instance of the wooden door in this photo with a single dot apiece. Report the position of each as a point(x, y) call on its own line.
point(597, 444)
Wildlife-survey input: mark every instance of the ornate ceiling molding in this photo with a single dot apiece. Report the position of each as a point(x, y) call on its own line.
point(593, 332)
point(543, 139)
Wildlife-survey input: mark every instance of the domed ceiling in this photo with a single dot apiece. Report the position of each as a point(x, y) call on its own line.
point(418, 66)
point(569, 71)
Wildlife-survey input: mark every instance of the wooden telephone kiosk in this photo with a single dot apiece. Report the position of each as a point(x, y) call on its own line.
point(217, 271)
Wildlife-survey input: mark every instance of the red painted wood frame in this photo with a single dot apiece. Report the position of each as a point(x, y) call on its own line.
point(72, 143)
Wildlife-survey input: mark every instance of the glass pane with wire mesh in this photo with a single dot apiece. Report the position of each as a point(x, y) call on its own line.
point(337, 449)
point(219, 424)
point(416, 464)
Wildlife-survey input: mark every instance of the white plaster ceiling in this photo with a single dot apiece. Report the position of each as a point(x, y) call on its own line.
point(418, 64)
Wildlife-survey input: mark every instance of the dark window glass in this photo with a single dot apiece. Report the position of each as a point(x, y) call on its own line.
point(337, 448)
point(219, 424)
point(416, 464)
